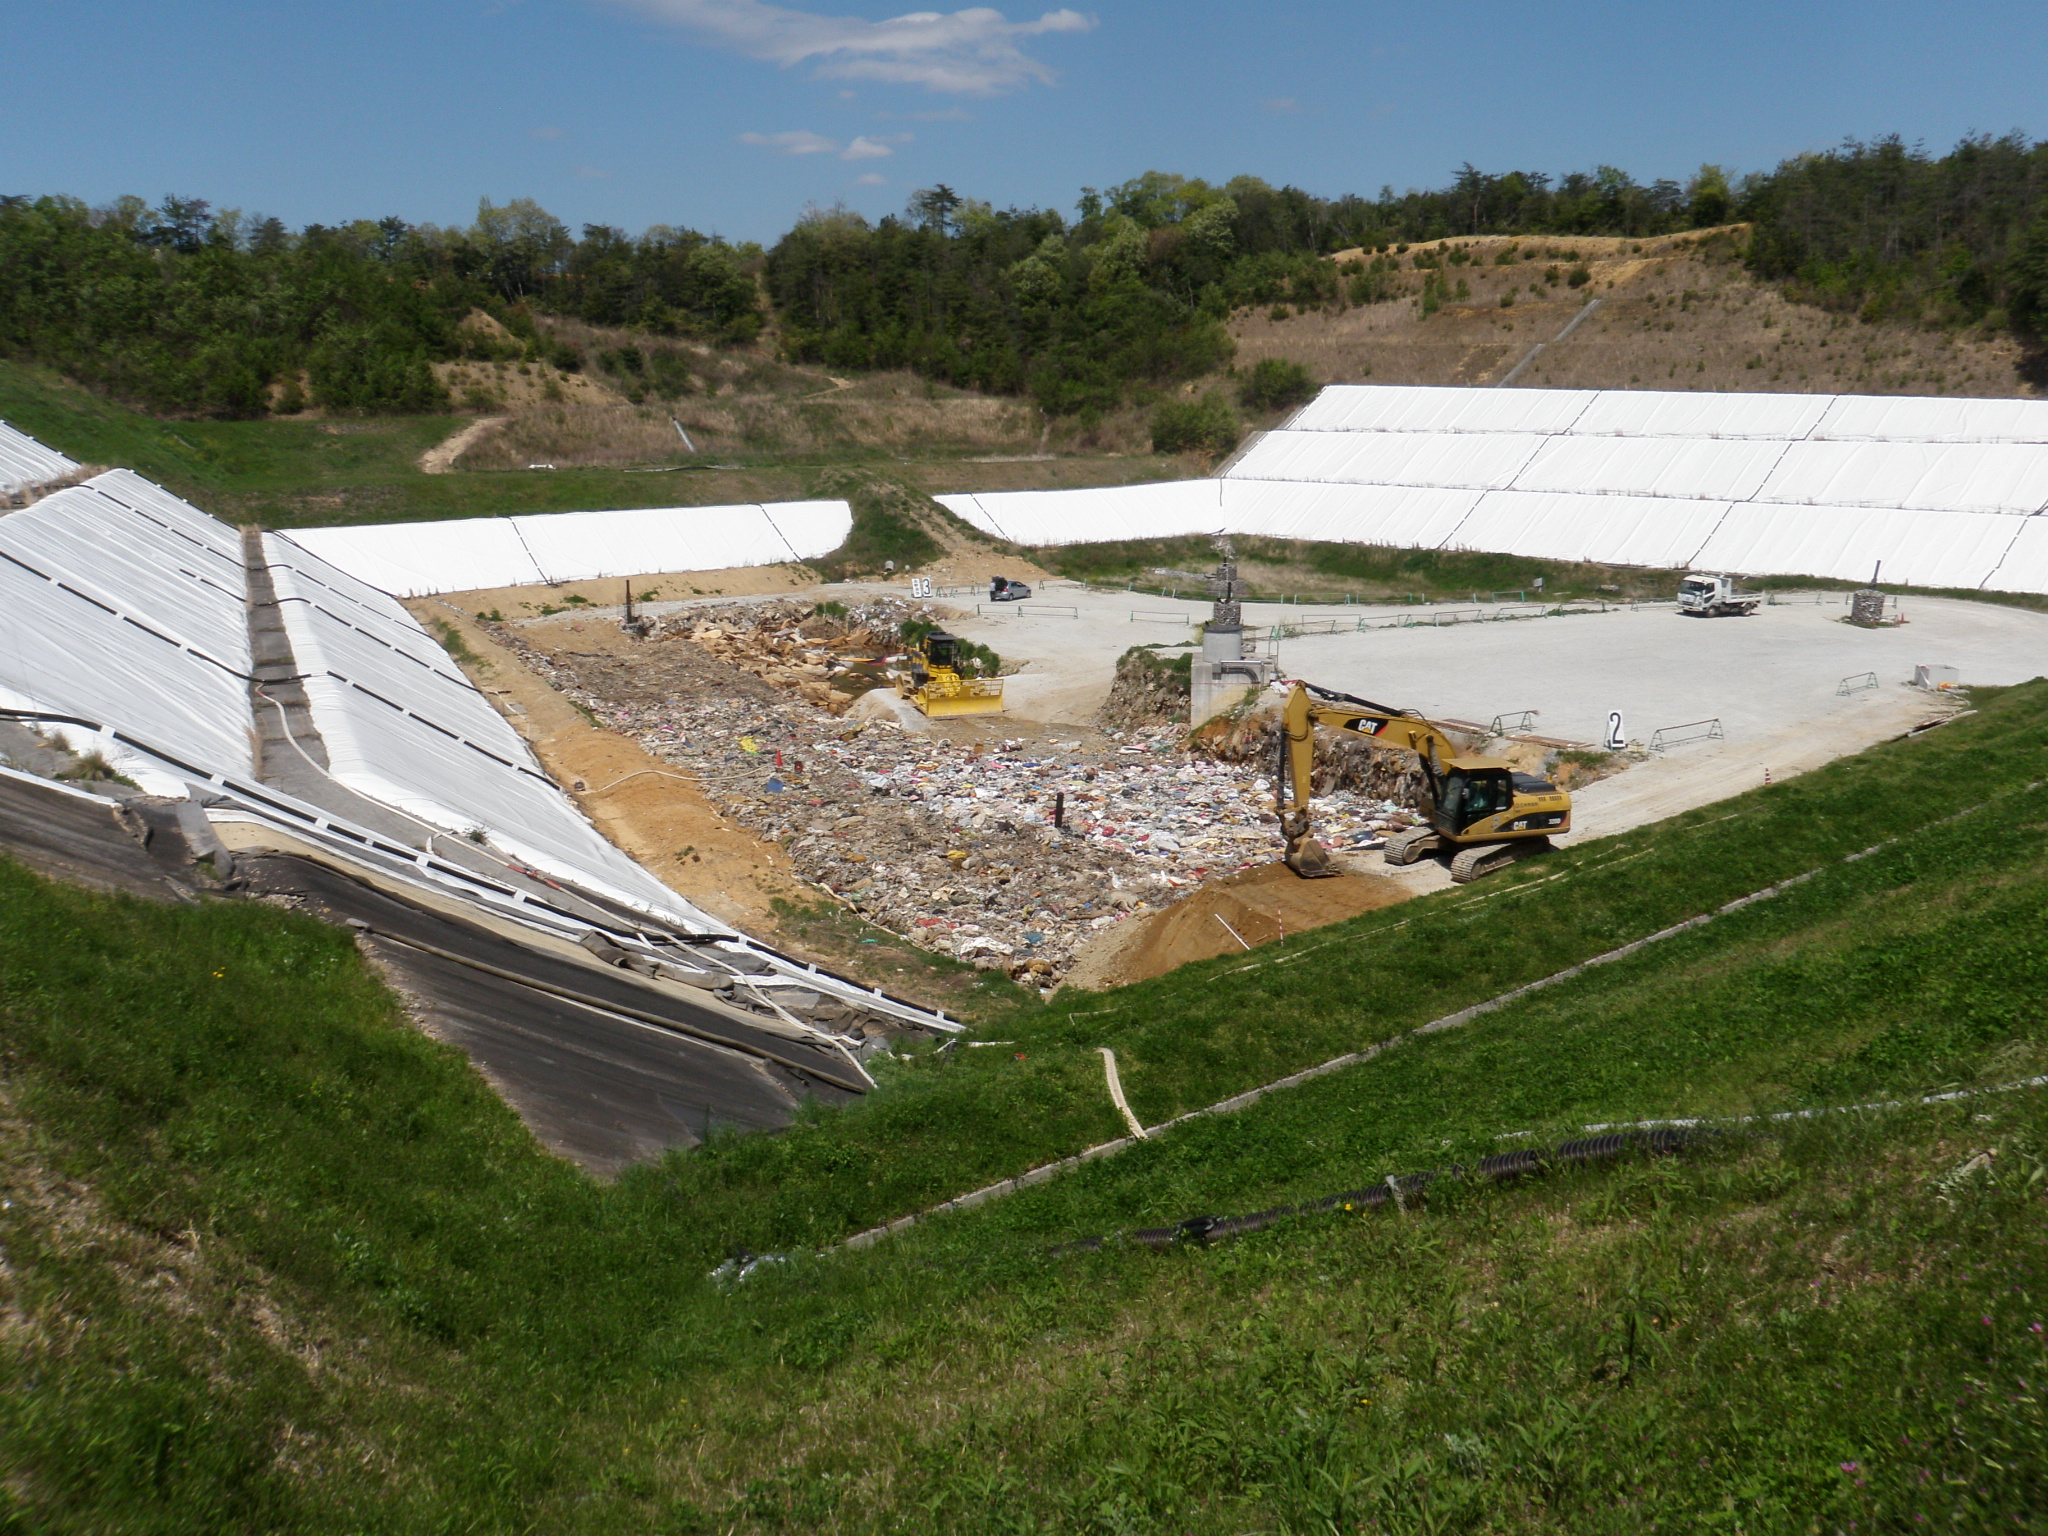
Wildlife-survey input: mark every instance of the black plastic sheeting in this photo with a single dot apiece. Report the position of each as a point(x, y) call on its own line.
point(1402, 1189)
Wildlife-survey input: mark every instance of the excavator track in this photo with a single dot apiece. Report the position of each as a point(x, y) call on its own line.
point(1407, 847)
point(1476, 863)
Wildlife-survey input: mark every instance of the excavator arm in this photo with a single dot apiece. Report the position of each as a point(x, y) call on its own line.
point(1308, 707)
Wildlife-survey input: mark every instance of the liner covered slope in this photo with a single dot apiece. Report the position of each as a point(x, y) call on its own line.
point(471, 554)
point(1946, 493)
point(125, 608)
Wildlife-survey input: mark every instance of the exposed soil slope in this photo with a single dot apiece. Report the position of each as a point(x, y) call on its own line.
point(1675, 313)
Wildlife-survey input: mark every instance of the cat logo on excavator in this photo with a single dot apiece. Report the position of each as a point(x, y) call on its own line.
point(938, 689)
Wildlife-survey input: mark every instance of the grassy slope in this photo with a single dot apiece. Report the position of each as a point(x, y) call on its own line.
point(276, 1262)
point(295, 474)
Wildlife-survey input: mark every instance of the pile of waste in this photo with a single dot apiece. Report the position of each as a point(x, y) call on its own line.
point(826, 654)
point(1008, 854)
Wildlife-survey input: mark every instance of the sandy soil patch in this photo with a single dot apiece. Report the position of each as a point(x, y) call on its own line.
point(1239, 912)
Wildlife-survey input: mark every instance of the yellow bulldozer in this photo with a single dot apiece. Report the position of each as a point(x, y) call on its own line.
point(936, 687)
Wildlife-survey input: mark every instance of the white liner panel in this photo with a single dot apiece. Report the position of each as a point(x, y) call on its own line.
point(121, 604)
point(404, 727)
point(1725, 469)
point(1893, 418)
point(1939, 477)
point(1166, 510)
point(24, 462)
point(1693, 413)
point(1424, 408)
point(1452, 460)
point(1923, 549)
point(469, 554)
point(2025, 565)
point(415, 559)
point(1416, 516)
point(1614, 530)
point(577, 546)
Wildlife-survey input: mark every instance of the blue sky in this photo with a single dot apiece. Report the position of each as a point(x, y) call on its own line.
point(733, 115)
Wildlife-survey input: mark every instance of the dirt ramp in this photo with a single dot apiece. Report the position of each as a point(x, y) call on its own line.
point(1227, 916)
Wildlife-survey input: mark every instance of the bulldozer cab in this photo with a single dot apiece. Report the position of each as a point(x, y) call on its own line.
point(937, 686)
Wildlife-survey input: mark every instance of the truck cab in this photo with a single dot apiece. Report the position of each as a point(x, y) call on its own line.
point(1712, 594)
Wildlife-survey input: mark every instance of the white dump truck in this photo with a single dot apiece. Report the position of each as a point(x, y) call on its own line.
point(1710, 594)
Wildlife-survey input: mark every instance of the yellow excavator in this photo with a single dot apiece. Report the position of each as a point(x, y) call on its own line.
point(1479, 806)
point(936, 686)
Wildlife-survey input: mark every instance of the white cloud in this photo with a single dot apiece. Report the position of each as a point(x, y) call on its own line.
point(795, 143)
point(871, 180)
point(972, 52)
point(801, 142)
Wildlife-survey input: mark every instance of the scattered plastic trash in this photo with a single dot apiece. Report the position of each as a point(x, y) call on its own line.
point(952, 846)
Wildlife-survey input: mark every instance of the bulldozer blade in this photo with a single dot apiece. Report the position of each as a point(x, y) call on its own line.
point(1309, 858)
point(967, 704)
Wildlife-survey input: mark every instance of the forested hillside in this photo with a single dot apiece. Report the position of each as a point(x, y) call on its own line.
point(186, 310)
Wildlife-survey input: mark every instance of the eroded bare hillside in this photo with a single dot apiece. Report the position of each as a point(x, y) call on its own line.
point(1674, 313)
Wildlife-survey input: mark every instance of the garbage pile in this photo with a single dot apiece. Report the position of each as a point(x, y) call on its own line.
point(826, 654)
point(1009, 854)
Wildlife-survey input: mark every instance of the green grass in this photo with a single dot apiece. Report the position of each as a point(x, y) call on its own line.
point(277, 1262)
point(293, 474)
point(1279, 569)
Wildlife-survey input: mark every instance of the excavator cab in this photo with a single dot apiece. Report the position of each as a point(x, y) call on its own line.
point(1471, 795)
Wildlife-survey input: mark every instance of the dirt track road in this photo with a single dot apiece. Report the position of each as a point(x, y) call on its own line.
point(440, 459)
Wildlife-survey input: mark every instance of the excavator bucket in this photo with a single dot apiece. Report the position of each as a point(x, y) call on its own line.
point(1309, 859)
point(942, 698)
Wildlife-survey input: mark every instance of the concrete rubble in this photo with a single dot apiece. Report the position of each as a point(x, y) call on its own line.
point(950, 843)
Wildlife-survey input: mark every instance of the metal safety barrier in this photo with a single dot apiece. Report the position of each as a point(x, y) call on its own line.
point(1513, 720)
point(1024, 611)
point(1856, 682)
point(1155, 616)
point(1665, 737)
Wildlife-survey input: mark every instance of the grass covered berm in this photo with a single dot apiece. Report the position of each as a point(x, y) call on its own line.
point(274, 1261)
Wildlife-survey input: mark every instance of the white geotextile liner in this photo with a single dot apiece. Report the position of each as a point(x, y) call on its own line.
point(1613, 530)
point(1709, 468)
point(25, 462)
point(2024, 567)
point(1427, 408)
point(470, 554)
point(579, 546)
point(1925, 419)
point(1166, 510)
point(414, 559)
point(1407, 516)
point(1937, 477)
point(1453, 460)
point(1922, 549)
point(121, 604)
point(1699, 413)
point(403, 727)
